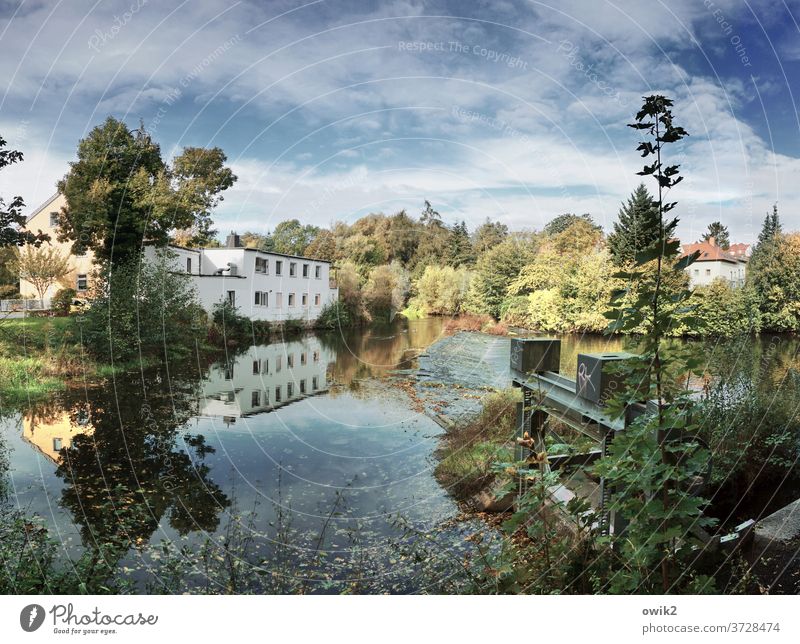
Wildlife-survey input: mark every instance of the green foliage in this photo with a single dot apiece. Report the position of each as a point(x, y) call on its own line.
point(335, 315)
point(441, 290)
point(636, 228)
point(651, 466)
point(292, 238)
point(494, 271)
point(141, 309)
point(460, 252)
point(559, 224)
point(11, 217)
point(385, 291)
point(488, 235)
point(120, 193)
point(774, 276)
point(62, 301)
point(723, 311)
point(719, 233)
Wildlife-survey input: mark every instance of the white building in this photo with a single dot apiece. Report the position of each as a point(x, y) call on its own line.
point(262, 285)
point(716, 263)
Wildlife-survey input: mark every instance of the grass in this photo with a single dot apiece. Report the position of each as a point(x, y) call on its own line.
point(470, 450)
point(23, 379)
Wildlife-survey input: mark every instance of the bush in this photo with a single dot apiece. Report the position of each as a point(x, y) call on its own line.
point(142, 309)
point(62, 301)
point(335, 315)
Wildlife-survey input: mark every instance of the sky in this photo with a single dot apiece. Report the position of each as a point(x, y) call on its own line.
point(514, 110)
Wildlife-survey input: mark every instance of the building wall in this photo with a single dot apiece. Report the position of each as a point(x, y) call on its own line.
point(704, 272)
point(81, 266)
point(280, 297)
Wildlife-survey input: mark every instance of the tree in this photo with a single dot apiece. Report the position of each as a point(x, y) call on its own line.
point(719, 233)
point(402, 237)
point(323, 246)
point(120, 193)
point(460, 251)
point(770, 229)
point(774, 276)
point(258, 241)
point(494, 272)
point(42, 267)
point(12, 221)
point(292, 238)
point(201, 177)
point(429, 216)
point(442, 290)
point(385, 291)
point(562, 222)
point(650, 468)
point(635, 228)
point(487, 235)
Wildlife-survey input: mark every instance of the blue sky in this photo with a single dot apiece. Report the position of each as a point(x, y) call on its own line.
point(327, 110)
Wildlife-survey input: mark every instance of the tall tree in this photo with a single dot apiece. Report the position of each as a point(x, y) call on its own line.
point(460, 252)
point(292, 237)
point(487, 235)
point(121, 194)
point(12, 221)
point(635, 229)
point(719, 232)
point(770, 229)
point(562, 222)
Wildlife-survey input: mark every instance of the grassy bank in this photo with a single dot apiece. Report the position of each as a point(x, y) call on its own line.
point(469, 449)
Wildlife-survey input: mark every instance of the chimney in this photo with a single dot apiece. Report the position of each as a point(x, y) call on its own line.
point(712, 241)
point(232, 241)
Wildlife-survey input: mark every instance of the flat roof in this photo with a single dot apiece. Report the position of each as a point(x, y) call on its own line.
point(267, 252)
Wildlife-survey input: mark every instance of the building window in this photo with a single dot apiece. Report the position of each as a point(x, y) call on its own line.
point(189, 265)
point(58, 443)
point(290, 360)
point(255, 399)
point(278, 267)
point(318, 272)
point(314, 383)
point(316, 299)
point(305, 270)
point(256, 367)
point(279, 300)
point(289, 389)
point(292, 269)
point(304, 299)
point(261, 265)
point(82, 283)
point(258, 298)
point(53, 219)
point(266, 397)
point(291, 299)
point(302, 386)
point(696, 272)
point(278, 394)
point(264, 298)
point(265, 367)
point(708, 272)
point(303, 358)
point(278, 364)
point(229, 371)
point(315, 356)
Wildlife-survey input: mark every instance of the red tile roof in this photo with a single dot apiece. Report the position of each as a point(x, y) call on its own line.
point(710, 252)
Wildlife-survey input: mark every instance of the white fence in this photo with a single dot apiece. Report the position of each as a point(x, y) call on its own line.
point(7, 306)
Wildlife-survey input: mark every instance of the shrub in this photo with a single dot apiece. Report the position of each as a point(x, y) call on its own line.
point(335, 315)
point(62, 301)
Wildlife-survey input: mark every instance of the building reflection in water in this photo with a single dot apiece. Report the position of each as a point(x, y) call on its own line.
point(50, 433)
point(265, 378)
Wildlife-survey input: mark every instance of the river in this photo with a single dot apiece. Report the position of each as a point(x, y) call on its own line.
point(303, 454)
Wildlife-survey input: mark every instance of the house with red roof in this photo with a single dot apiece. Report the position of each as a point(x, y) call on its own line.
point(715, 262)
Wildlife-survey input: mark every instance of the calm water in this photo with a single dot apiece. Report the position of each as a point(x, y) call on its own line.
point(300, 446)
